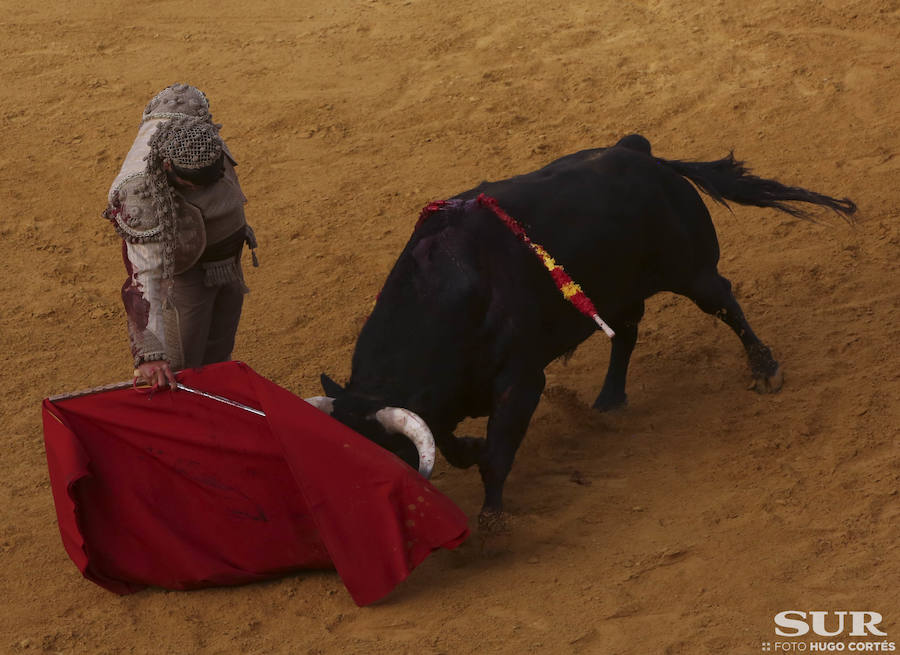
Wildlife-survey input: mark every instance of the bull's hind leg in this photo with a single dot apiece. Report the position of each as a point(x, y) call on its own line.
point(713, 295)
point(612, 395)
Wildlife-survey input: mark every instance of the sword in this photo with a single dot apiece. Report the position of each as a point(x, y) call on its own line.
point(126, 385)
point(221, 399)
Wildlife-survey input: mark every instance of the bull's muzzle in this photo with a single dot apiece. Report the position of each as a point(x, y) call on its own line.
point(396, 420)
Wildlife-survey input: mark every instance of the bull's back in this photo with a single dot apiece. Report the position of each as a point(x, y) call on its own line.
point(466, 297)
point(623, 226)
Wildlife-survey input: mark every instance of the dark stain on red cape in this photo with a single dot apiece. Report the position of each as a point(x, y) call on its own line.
point(182, 492)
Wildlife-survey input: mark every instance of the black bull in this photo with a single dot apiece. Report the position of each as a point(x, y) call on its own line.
point(469, 318)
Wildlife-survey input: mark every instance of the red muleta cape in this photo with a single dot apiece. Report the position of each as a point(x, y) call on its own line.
point(181, 492)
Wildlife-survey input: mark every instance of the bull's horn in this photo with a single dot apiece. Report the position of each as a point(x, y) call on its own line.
point(402, 421)
point(323, 403)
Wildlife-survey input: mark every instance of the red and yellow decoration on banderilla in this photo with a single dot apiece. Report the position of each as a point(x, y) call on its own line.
point(570, 289)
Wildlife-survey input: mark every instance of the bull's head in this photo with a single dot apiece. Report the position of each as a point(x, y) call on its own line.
point(393, 428)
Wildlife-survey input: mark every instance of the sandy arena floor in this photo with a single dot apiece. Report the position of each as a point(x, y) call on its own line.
point(681, 525)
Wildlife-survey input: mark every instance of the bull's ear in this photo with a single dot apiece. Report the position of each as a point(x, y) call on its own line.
point(332, 389)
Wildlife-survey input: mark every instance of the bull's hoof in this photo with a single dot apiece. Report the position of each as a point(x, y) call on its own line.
point(608, 402)
point(492, 521)
point(768, 383)
point(494, 533)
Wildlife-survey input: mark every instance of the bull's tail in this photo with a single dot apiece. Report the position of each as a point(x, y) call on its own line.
point(728, 179)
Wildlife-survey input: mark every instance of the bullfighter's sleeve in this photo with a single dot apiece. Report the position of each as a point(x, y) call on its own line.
point(152, 317)
point(147, 293)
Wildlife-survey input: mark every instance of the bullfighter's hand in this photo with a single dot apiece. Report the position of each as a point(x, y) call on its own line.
point(156, 373)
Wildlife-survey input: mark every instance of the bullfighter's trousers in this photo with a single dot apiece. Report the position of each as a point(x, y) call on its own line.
point(208, 316)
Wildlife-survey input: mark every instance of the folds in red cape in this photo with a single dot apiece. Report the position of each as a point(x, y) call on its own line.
point(180, 491)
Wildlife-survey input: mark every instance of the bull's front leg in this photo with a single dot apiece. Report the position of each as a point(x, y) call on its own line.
point(461, 452)
point(515, 398)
